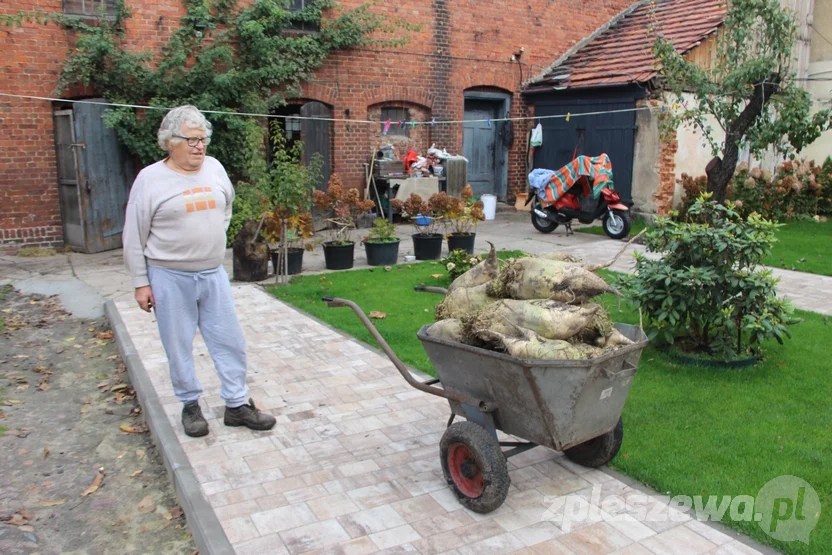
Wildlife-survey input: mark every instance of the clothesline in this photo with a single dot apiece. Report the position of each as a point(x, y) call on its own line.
point(388, 124)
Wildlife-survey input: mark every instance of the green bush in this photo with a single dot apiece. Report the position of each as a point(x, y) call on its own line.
point(797, 190)
point(248, 205)
point(706, 292)
point(460, 261)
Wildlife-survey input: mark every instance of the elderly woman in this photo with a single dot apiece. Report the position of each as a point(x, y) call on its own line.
point(174, 244)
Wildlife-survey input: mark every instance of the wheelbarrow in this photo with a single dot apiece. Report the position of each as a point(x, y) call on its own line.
point(572, 406)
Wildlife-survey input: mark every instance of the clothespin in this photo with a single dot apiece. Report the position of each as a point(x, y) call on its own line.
point(568, 115)
point(663, 106)
point(386, 126)
point(675, 104)
point(432, 122)
point(402, 124)
point(413, 124)
point(489, 122)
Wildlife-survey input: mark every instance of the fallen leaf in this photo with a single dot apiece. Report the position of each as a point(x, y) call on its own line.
point(87, 400)
point(20, 356)
point(47, 484)
point(121, 455)
point(119, 387)
point(176, 511)
point(69, 339)
point(140, 453)
point(52, 502)
point(437, 276)
point(44, 386)
point(109, 411)
point(7, 310)
point(96, 483)
point(387, 268)
point(378, 315)
point(43, 370)
point(90, 330)
point(136, 473)
point(45, 452)
point(10, 402)
point(85, 409)
point(102, 385)
point(140, 429)
point(146, 505)
point(27, 528)
point(112, 357)
point(19, 433)
point(168, 516)
point(104, 335)
point(22, 387)
point(25, 514)
point(16, 520)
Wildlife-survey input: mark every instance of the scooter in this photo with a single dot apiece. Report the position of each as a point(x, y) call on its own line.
point(614, 214)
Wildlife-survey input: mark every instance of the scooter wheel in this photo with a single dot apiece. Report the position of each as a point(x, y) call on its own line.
point(543, 225)
point(617, 224)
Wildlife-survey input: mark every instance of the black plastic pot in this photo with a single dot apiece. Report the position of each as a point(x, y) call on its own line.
point(382, 254)
point(461, 241)
point(295, 256)
point(427, 246)
point(339, 257)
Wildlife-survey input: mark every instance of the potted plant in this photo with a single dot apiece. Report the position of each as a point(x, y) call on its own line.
point(342, 207)
point(297, 227)
point(288, 184)
point(426, 217)
point(382, 244)
point(461, 218)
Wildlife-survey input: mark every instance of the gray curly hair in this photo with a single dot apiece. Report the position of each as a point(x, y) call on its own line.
point(173, 121)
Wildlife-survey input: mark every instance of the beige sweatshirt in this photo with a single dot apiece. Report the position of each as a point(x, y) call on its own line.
point(177, 221)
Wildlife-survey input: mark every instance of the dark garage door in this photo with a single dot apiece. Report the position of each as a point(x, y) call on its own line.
point(612, 133)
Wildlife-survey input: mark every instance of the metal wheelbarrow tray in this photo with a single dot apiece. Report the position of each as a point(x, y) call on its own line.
point(572, 406)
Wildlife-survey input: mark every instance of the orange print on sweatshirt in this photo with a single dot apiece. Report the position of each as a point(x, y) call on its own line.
point(199, 198)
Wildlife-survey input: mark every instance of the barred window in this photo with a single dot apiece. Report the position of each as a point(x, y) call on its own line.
point(395, 115)
point(90, 8)
point(306, 26)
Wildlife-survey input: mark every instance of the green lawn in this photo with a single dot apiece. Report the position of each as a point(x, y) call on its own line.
point(689, 430)
point(803, 246)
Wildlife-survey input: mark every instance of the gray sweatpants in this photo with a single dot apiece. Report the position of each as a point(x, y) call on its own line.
point(185, 300)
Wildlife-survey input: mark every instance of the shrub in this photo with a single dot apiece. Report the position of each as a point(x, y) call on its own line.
point(824, 181)
point(248, 205)
point(459, 261)
point(708, 291)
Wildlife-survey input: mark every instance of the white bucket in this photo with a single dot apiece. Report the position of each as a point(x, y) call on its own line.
point(489, 206)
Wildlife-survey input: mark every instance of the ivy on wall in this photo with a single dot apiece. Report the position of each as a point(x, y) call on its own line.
point(222, 57)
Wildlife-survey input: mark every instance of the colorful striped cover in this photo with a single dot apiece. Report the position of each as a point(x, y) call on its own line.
point(598, 169)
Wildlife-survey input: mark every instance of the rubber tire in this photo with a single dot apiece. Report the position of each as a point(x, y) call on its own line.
point(598, 451)
point(490, 459)
point(538, 224)
point(624, 215)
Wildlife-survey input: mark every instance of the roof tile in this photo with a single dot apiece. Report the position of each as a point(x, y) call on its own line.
point(622, 54)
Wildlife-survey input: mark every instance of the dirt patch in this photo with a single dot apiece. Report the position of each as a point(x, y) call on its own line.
point(78, 471)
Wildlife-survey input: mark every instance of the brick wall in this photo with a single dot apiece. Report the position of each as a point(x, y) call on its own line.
point(667, 176)
point(463, 45)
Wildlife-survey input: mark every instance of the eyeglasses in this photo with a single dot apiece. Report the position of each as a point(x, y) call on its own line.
point(193, 141)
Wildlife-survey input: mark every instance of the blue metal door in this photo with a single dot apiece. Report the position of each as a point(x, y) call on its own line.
point(480, 145)
point(104, 173)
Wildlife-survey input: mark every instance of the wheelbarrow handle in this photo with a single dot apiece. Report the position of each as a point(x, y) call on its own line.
point(427, 289)
point(406, 374)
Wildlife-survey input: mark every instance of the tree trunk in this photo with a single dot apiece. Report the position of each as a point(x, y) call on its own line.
point(721, 170)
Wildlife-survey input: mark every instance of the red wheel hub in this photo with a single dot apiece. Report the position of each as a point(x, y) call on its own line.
point(465, 471)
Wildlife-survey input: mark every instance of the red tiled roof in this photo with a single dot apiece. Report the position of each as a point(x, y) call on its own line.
point(622, 54)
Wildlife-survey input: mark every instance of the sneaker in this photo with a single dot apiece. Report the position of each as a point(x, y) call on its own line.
point(249, 416)
point(193, 421)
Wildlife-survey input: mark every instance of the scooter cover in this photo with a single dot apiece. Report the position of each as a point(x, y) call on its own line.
point(551, 185)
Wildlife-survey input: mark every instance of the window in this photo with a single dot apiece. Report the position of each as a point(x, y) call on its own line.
point(90, 8)
point(395, 115)
point(305, 26)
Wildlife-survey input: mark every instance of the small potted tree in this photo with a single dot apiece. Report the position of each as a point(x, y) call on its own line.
point(288, 184)
point(297, 228)
point(426, 218)
point(461, 218)
point(342, 208)
point(382, 244)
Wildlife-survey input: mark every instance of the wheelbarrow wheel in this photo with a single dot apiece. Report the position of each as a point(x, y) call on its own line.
point(474, 467)
point(598, 451)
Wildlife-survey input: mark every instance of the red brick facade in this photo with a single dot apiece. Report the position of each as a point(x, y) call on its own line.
point(463, 45)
